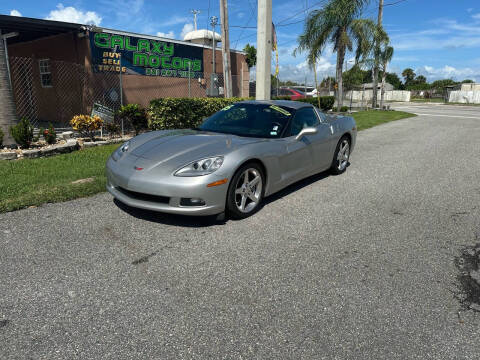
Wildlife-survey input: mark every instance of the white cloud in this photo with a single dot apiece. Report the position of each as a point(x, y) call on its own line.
point(175, 20)
point(186, 29)
point(297, 72)
point(15, 13)
point(448, 72)
point(70, 14)
point(170, 34)
point(476, 16)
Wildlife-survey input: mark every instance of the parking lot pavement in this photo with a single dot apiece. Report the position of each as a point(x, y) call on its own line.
point(357, 266)
point(439, 110)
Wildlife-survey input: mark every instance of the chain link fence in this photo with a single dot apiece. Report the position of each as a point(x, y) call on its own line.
point(54, 91)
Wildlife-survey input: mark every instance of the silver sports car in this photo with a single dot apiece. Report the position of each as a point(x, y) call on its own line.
point(239, 155)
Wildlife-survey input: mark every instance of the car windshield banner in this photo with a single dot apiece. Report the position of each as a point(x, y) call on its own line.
point(135, 55)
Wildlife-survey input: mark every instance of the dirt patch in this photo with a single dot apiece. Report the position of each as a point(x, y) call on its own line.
point(83, 181)
point(468, 280)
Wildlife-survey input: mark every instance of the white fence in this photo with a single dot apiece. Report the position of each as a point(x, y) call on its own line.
point(367, 95)
point(465, 97)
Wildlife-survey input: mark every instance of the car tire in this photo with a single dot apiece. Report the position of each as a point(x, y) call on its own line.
point(242, 192)
point(341, 156)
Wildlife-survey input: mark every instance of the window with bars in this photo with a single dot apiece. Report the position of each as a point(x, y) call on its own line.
point(45, 73)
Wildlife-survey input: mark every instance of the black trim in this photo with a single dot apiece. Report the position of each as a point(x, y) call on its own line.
point(144, 197)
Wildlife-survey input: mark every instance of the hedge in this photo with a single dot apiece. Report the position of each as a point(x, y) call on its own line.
point(183, 113)
point(186, 113)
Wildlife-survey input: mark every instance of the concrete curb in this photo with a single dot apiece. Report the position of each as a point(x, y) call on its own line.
point(70, 146)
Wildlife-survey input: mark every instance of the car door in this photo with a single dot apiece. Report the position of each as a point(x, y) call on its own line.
point(297, 160)
point(323, 142)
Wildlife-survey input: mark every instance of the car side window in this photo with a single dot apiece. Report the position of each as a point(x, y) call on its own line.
point(304, 117)
point(321, 115)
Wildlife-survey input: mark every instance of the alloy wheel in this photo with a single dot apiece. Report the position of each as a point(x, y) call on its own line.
point(248, 190)
point(343, 155)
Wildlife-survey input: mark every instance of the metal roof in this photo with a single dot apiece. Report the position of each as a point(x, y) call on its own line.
point(31, 29)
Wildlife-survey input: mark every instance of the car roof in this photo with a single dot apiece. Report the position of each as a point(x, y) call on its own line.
point(286, 103)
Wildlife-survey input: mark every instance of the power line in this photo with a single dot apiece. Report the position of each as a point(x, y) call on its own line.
point(252, 15)
point(394, 3)
point(301, 11)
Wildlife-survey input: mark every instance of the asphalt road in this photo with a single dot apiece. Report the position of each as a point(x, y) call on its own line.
point(357, 266)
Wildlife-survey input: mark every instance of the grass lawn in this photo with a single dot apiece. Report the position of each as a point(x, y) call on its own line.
point(31, 182)
point(371, 118)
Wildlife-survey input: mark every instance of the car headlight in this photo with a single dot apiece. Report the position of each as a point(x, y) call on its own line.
point(120, 151)
point(201, 167)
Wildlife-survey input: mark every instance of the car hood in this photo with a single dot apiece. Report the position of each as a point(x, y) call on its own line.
point(175, 148)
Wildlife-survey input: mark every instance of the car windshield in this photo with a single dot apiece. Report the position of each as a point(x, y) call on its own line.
point(251, 120)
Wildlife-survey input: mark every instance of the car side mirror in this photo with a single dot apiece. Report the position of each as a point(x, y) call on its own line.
point(306, 131)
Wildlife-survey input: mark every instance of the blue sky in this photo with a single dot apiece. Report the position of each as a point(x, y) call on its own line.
point(437, 38)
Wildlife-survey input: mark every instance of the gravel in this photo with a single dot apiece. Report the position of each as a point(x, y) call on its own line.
point(356, 266)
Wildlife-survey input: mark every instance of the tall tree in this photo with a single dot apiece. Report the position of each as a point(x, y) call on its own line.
point(338, 23)
point(251, 52)
point(7, 104)
point(386, 55)
point(420, 79)
point(408, 76)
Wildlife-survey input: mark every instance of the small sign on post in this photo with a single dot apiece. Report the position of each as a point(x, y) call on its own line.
point(104, 113)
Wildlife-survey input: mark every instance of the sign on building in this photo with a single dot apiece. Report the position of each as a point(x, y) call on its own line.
point(134, 55)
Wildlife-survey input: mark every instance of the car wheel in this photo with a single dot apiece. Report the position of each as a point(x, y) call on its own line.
point(341, 156)
point(246, 191)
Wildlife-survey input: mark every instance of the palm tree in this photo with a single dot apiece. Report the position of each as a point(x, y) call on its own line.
point(7, 105)
point(337, 23)
point(386, 55)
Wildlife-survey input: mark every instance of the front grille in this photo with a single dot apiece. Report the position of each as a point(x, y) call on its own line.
point(144, 197)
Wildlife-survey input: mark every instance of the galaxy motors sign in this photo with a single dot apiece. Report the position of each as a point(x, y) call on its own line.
point(134, 55)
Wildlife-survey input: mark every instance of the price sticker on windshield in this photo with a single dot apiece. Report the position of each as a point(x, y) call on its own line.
point(227, 107)
point(280, 110)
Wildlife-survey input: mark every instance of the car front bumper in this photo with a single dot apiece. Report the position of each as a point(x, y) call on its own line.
point(165, 194)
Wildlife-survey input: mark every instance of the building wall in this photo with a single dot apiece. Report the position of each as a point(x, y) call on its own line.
point(75, 87)
point(470, 87)
point(68, 55)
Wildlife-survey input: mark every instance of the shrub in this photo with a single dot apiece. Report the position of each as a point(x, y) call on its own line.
point(113, 128)
point(50, 135)
point(342, 109)
point(1, 137)
point(86, 125)
point(22, 133)
point(133, 115)
point(181, 113)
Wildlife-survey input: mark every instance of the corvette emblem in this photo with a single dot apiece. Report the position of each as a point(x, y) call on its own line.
point(137, 168)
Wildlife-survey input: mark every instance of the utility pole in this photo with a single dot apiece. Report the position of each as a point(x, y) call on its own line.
point(195, 13)
point(377, 51)
point(264, 50)
point(227, 72)
point(213, 77)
